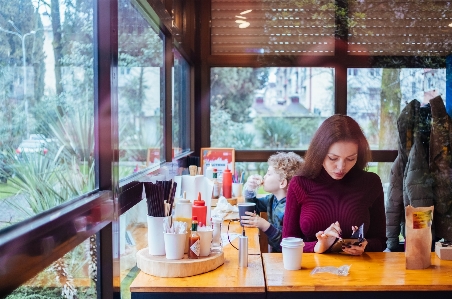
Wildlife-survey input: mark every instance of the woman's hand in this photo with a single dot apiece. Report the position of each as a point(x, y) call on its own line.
point(253, 220)
point(327, 237)
point(355, 249)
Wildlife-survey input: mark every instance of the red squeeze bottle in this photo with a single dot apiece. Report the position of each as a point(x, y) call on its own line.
point(199, 210)
point(227, 183)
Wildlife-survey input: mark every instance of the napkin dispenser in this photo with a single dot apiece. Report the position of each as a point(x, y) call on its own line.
point(444, 250)
point(193, 184)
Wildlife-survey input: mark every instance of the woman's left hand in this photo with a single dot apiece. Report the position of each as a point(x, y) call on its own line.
point(355, 249)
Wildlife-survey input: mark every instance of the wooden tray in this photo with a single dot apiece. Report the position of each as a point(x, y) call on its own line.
point(160, 266)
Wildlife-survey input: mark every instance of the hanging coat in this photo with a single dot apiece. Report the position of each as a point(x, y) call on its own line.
point(409, 181)
point(440, 163)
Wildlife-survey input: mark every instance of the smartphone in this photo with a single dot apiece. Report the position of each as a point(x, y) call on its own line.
point(337, 247)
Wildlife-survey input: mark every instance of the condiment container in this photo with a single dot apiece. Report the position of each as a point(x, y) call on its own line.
point(199, 210)
point(194, 243)
point(227, 183)
point(183, 212)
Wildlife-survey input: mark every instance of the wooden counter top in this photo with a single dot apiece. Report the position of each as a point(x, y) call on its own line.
point(228, 278)
point(373, 271)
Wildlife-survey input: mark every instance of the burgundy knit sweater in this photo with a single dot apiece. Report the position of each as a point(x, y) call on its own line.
point(312, 205)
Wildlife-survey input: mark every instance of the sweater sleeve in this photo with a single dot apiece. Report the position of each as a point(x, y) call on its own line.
point(261, 202)
point(274, 236)
point(376, 234)
point(292, 215)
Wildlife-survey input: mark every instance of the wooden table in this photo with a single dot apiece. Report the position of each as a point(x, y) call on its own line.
point(372, 275)
point(223, 282)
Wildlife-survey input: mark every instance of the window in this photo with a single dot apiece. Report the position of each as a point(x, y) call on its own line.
point(268, 108)
point(72, 276)
point(47, 115)
point(376, 101)
point(140, 92)
point(181, 104)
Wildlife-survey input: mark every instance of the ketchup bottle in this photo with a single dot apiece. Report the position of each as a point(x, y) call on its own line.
point(227, 183)
point(199, 210)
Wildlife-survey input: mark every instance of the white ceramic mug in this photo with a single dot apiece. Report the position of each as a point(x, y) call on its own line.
point(237, 189)
point(156, 242)
point(205, 237)
point(174, 246)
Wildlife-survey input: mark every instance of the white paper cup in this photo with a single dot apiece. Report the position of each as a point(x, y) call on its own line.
point(292, 251)
point(237, 189)
point(205, 237)
point(156, 242)
point(174, 246)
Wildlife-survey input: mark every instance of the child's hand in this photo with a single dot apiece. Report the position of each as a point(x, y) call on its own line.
point(253, 220)
point(253, 182)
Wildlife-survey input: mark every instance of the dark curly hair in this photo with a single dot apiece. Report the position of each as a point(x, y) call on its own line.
point(334, 129)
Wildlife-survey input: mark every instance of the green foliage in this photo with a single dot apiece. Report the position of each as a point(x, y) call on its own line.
point(224, 132)
point(234, 89)
point(276, 132)
point(243, 140)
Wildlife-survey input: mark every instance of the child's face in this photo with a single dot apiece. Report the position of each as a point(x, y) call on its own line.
point(272, 180)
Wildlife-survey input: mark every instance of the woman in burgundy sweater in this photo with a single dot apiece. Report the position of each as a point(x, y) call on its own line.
point(334, 193)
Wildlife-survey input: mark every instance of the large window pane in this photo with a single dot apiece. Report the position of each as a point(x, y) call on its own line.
point(47, 99)
point(181, 104)
point(376, 97)
point(72, 276)
point(140, 89)
point(269, 108)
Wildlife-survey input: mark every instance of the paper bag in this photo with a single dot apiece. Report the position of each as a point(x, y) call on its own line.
point(418, 241)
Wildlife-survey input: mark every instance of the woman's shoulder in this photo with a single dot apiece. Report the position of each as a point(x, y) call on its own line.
point(368, 178)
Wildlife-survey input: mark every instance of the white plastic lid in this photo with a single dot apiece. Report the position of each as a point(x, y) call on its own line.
point(183, 200)
point(292, 242)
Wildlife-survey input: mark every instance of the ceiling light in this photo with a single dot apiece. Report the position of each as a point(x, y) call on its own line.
point(240, 21)
point(246, 11)
point(240, 17)
point(244, 25)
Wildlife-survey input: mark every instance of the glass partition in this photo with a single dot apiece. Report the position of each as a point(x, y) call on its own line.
point(181, 104)
point(72, 276)
point(140, 90)
point(376, 96)
point(47, 115)
point(268, 108)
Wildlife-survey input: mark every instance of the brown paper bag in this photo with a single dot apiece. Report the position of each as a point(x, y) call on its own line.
point(418, 241)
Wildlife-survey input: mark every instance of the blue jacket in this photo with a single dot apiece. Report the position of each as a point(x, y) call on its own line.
point(275, 214)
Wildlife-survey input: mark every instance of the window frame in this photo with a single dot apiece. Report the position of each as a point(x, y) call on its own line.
point(16, 239)
point(341, 61)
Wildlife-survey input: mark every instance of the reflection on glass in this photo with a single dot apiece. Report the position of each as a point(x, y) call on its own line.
point(375, 98)
point(399, 28)
point(290, 27)
point(47, 118)
point(181, 104)
point(72, 276)
point(250, 168)
point(140, 91)
point(133, 237)
point(269, 108)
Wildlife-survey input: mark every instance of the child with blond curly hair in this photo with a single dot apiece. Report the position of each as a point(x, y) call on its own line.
point(281, 168)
